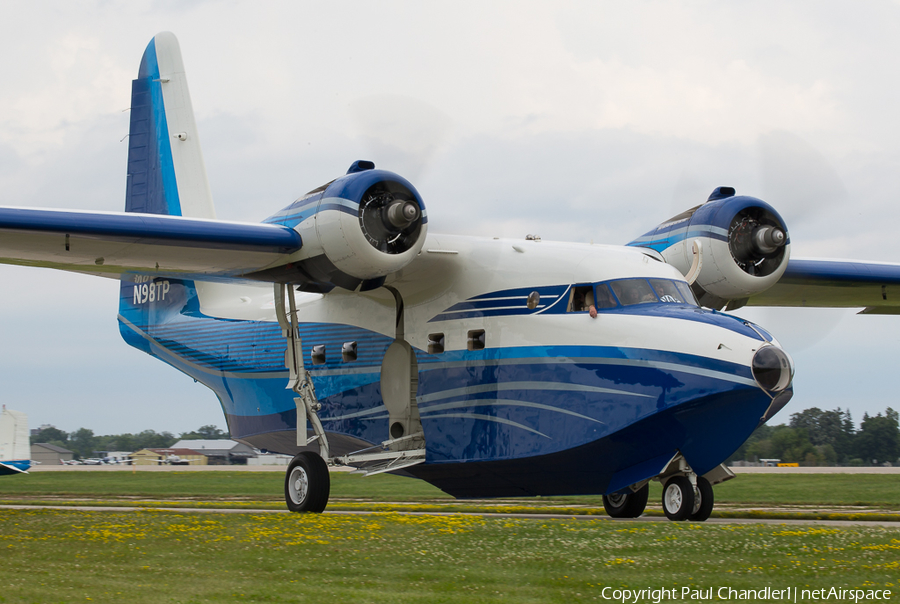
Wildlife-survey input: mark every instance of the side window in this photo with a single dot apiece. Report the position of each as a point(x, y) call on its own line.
point(581, 298)
point(476, 339)
point(349, 352)
point(604, 297)
point(435, 343)
point(318, 354)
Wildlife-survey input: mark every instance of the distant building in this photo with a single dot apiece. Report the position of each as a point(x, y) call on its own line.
point(269, 459)
point(36, 431)
point(220, 452)
point(50, 455)
point(173, 456)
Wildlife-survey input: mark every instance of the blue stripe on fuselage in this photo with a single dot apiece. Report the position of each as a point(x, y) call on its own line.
point(487, 405)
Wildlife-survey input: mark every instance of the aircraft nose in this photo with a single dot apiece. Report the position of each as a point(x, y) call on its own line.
point(772, 368)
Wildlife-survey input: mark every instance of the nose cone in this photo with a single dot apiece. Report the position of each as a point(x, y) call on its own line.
point(773, 368)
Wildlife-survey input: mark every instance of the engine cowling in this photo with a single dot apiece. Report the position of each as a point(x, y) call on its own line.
point(356, 230)
point(742, 247)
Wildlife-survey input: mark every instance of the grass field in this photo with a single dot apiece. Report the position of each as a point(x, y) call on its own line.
point(154, 556)
point(60, 555)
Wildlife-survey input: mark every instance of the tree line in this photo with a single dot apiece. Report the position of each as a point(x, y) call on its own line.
point(83, 442)
point(826, 438)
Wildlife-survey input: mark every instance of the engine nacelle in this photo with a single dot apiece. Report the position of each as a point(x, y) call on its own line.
point(743, 247)
point(356, 230)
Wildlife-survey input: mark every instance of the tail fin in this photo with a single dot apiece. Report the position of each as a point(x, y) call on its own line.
point(166, 173)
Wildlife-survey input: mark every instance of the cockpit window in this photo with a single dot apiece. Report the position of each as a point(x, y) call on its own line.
point(629, 292)
point(667, 291)
point(604, 297)
point(633, 291)
point(687, 293)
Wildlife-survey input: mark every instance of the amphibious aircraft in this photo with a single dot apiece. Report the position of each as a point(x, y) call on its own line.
point(15, 452)
point(340, 330)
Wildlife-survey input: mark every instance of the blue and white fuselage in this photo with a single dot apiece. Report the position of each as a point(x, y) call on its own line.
point(551, 386)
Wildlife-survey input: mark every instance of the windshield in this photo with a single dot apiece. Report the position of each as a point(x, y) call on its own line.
point(646, 291)
point(629, 292)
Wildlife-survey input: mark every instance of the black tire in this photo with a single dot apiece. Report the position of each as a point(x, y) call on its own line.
point(627, 505)
point(307, 483)
point(678, 498)
point(704, 507)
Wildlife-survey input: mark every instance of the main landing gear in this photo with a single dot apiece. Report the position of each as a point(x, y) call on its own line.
point(307, 483)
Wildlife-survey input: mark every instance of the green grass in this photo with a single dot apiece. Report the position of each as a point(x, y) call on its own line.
point(874, 490)
point(70, 556)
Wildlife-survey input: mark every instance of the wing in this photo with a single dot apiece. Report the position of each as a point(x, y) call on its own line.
point(355, 230)
point(873, 286)
point(110, 244)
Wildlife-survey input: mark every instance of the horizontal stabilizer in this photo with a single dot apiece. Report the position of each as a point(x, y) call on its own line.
point(10, 469)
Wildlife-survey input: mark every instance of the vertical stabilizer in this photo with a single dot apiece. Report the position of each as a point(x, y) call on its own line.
point(166, 173)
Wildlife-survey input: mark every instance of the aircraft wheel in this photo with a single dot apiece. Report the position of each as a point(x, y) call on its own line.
point(678, 498)
point(626, 505)
point(307, 483)
point(704, 505)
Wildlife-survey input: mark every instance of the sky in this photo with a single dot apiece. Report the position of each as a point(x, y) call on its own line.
point(578, 121)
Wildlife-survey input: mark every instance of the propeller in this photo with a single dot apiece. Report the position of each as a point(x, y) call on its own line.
point(756, 240)
point(806, 189)
point(400, 133)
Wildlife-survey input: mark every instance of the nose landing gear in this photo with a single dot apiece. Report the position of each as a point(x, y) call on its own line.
point(627, 505)
point(686, 496)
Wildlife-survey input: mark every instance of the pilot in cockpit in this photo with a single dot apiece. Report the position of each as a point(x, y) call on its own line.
point(583, 299)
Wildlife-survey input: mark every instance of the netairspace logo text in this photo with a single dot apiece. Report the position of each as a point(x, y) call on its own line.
point(788, 594)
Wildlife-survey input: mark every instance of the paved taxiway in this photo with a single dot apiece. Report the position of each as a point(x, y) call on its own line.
point(583, 517)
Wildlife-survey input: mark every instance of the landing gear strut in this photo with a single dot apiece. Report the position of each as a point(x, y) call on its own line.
point(307, 483)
